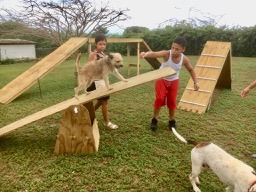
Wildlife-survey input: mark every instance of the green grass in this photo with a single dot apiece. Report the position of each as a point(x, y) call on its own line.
point(130, 158)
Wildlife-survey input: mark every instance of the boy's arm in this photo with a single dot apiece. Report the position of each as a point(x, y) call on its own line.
point(192, 72)
point(157, 54)
point(247, 89)
point(92, 56)
point(252, 85)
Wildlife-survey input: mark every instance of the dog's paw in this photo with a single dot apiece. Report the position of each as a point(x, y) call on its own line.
point(76, 96)
point(197, 190)
point(126, 80)
point(197, 180)
point(110, 88)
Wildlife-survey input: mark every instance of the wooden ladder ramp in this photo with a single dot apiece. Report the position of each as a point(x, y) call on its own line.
point(213, 70)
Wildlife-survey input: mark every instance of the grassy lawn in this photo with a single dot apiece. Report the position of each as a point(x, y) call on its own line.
point(130, 158)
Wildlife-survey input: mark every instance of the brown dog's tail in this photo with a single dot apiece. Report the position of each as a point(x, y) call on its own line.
point(78, 62)
point(182, 138)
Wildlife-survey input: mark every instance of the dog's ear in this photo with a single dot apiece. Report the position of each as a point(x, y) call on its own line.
point(110, 55)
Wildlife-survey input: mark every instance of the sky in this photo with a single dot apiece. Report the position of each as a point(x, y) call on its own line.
point(151, 13)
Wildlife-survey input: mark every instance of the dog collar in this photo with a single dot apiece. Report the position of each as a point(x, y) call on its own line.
point(253, 183)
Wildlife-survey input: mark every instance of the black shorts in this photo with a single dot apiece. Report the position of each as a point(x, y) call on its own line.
point(92, 87)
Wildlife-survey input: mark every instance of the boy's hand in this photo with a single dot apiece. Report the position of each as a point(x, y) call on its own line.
point(142, 54)
point(245, 92)
point(196, 86)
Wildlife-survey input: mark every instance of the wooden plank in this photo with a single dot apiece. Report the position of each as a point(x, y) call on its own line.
point(40, 69)
point(133, 81)
point(119, 40)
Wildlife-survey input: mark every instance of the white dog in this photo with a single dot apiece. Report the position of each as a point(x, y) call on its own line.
point(98, 69)
point(237, 175)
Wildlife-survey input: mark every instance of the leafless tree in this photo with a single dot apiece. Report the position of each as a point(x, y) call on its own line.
point(60, 20)
point(202, 19)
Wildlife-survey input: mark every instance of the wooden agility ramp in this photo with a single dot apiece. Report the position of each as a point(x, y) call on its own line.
point(40, 69)
point(213, 70)
point(140, 46)
point(133, 81)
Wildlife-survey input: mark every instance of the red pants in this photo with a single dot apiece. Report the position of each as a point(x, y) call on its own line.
point(166, 93)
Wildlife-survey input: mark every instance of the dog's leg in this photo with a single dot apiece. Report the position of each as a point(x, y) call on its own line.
point(119, 76)
point(86, 85)
point(105, 78)
point(81, 87)
point(76, 90)
point(229, 189)
point(193, 180)
point(197, 163)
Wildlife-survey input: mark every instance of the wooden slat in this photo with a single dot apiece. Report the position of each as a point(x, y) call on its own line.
point(39, 70)
point(210, 55)
point(207, 66)
point(133, 81)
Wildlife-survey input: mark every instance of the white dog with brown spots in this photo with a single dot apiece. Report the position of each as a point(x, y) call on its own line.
point(239, 176)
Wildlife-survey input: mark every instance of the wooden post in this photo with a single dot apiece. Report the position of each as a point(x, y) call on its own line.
point(89, 49)
point(138, 58)
point(129, 58)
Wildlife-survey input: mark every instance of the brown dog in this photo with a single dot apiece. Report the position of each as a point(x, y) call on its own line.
point(98, 69)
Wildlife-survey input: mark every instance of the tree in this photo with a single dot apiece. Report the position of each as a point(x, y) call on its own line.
point(135, 31)
point(58, 21)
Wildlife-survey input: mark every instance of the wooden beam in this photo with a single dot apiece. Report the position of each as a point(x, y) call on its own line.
point(119, 40)
point(133, 81)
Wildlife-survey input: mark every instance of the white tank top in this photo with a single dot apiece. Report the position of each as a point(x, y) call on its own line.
point(174, 66)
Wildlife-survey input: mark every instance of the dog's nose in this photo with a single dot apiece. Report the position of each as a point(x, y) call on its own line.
point(120, 65)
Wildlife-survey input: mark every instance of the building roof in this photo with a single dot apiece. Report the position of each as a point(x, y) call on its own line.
point(15, 42)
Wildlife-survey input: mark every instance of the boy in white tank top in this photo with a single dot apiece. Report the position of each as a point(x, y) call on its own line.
point(166, 89)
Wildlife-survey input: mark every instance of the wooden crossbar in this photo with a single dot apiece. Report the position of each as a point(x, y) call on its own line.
point(210, 55)
point(199, 90)
point(193, 103)
point(205, 78)
point(208, 66)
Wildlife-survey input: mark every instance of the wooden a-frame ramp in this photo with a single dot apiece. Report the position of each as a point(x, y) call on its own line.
point(47, 64)
point(213, 70)
point(40, 69)
point(133, 81)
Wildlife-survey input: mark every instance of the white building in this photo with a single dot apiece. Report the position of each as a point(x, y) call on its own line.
point(17, 49)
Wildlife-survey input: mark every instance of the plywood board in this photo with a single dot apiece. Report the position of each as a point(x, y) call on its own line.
point(213, 68)
point(39, 70)
point(133, 81)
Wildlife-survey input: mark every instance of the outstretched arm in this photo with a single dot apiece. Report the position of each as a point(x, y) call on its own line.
point(150, 54)
point(247, 89)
